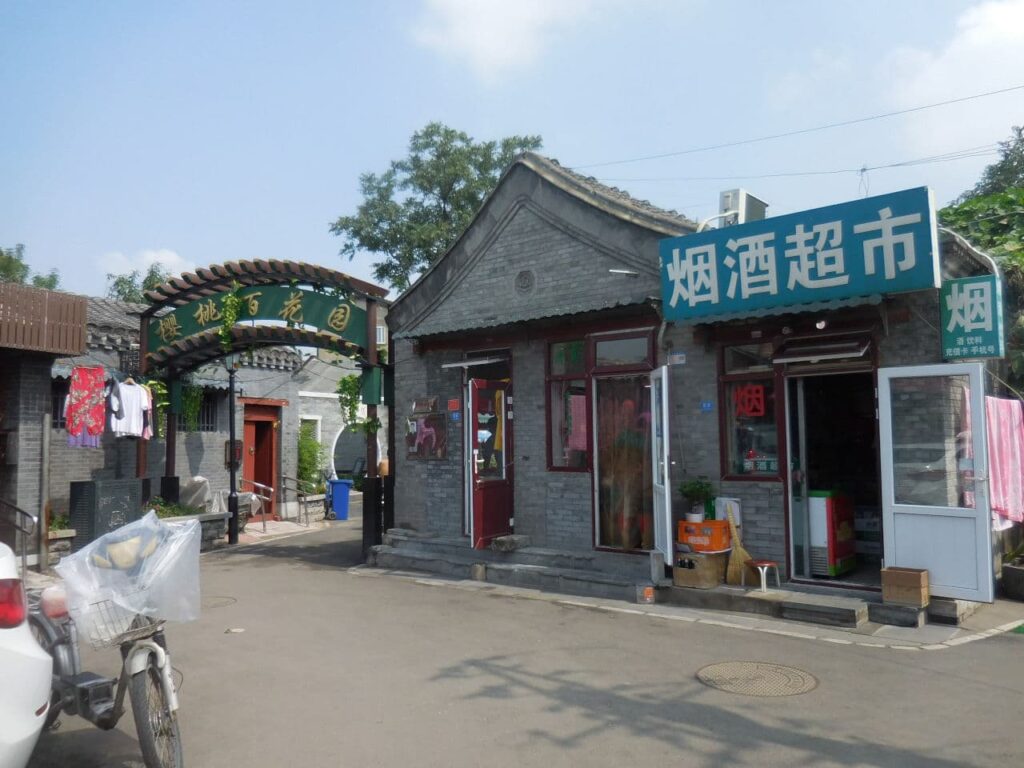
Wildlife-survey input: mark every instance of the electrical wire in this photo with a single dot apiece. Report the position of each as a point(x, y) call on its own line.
point(801, 131)
point(985, 149)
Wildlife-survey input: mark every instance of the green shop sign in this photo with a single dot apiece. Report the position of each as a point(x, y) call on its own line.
point(297, 306)
point(971, 310)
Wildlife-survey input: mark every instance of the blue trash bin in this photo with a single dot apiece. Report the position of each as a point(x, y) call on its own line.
point(339, 498)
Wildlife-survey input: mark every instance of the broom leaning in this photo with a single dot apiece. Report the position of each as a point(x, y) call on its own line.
point(739, 556)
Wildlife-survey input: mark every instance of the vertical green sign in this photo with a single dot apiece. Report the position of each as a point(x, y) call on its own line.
point(971, 310)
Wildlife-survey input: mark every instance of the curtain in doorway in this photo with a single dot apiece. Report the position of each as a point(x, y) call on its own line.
point(623, 437)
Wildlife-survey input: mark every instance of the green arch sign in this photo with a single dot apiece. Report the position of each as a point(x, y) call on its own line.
point(297, 306)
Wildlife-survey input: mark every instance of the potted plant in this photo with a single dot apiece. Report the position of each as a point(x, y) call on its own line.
point(697, 492)
point(1013, 574)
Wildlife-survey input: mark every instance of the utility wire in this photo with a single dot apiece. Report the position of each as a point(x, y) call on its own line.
point(987, 149)
point(801, 131)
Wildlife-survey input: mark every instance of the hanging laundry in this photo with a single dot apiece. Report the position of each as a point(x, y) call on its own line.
point(1005, 422)
point(127, 404)
point(83, 408)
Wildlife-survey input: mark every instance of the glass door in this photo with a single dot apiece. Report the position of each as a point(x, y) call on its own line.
point(935, 504)
point(799, 509)
point(662, 477)
point(622, 456)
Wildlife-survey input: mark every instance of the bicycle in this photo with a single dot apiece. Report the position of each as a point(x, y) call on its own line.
point(145, 662)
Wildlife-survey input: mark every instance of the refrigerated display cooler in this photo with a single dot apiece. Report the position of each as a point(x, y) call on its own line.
point(833, 551)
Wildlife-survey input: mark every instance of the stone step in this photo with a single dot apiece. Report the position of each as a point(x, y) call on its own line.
point(616, 564)
point(780, 604)
point(819, 609)
point(567, 581)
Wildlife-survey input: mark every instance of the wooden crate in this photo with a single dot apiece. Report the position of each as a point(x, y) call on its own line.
point(905, 586)
point(700, 571)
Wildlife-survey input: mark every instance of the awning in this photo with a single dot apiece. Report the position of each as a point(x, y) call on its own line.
point(475, 361)
point(794, 309)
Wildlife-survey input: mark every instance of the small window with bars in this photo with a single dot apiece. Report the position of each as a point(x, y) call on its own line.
point(59, 389)
point(207, 421)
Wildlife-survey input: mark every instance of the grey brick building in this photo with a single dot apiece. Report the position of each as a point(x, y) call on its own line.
point(525, 361)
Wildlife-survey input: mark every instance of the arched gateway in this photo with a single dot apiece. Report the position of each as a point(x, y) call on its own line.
point(216, 311)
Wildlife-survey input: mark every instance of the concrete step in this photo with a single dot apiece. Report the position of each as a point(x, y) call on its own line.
point(617, 564)
point(586, 583)
point(781, 604)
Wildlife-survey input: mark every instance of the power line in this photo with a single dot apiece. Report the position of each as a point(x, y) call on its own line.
point(801, 131)
point(986, 149)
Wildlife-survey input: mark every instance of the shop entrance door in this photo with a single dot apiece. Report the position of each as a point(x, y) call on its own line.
point(660, 464)
point(259, 453)
point(935, 503)
point(490, 433)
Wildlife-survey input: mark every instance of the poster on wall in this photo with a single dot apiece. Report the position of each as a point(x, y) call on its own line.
point(426, 436)
point(971, 311)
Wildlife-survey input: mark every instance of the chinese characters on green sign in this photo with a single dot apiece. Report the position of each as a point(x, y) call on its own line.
point(971, 311)
point(297, 306)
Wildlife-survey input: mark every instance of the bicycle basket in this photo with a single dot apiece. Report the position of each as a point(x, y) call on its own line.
point(105, 623)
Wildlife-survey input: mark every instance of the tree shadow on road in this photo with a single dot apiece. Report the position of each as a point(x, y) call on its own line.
point(683, 716)
point(339, 546)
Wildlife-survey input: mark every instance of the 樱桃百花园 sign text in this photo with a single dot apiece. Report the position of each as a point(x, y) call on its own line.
point(878, 245)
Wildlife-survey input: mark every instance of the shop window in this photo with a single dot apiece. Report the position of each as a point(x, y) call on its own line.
point(628, 352)
point(751, 437)
point(58, 392)
point(567, 406)
point(748, 358)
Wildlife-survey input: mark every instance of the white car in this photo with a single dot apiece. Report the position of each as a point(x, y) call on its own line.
point(25, 670)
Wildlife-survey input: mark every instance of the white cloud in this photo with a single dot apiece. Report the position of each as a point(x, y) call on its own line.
point(120, 263)
point(498, 37)
point(985, 53)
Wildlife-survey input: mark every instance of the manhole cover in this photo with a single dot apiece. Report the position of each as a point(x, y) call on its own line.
point(757, 678)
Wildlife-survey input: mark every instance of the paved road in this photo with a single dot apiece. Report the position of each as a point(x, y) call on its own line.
point(339, 669)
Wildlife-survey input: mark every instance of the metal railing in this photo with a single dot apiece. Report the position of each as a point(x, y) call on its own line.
point(303, 490)
point(22, 522)
point(263, 492)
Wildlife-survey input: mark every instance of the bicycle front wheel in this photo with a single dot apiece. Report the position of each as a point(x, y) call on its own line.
point(155, 723)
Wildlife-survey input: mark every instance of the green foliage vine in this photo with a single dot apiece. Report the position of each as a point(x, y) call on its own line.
point(230, 308)
point(349, 397)
point(191, 402)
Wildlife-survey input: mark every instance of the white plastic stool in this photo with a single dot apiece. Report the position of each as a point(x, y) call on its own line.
point(763, 566)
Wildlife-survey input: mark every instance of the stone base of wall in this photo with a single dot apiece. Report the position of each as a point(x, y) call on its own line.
point(214, 529)
point(59, 546)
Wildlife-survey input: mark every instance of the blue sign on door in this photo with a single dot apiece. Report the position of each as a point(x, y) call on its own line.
point(878, 245)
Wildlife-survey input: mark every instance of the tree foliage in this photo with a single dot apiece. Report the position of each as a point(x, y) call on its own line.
point(991, 216)
point(1004, 174)
point(416, 209)
point(132, 286)
point(14, 269)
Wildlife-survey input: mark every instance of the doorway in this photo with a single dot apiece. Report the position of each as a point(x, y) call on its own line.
point(623, 477)
point(835, 506)
point(259, 453)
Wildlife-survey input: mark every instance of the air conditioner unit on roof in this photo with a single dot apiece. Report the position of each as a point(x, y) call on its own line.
point(747, 207)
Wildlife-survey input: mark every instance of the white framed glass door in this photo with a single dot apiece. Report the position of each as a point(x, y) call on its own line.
point(660, 465)
point(935, 501)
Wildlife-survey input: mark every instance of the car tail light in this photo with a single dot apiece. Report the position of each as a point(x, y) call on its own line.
point(54, 602)
point(12, 603)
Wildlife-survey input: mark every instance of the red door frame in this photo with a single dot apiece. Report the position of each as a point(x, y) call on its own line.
point(492, 498)
point(261, 411)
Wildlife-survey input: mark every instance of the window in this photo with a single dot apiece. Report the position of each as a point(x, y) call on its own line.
point(382, 335)
point(59, 389)
point(567, 405)
point(207, 413)
point(751, 445)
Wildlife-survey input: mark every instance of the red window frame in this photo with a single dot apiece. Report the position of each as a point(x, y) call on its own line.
point(590, 371)
point(724, 379)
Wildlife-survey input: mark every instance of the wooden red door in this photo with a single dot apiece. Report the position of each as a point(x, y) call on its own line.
point(490, 414)
point(259, 453)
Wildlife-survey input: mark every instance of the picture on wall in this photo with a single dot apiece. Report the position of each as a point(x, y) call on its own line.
point(426, 436)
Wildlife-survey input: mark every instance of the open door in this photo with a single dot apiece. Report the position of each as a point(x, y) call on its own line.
point(935, 503)
point(490, 428)
point(660, 466)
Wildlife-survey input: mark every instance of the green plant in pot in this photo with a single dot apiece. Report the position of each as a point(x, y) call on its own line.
point(697, 492)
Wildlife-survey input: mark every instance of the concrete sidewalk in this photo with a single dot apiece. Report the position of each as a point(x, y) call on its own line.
point(990, 620)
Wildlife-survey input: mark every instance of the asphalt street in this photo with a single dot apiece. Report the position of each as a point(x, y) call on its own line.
point(299, 661)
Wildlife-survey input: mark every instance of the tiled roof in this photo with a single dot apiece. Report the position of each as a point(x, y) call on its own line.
point(610, 199)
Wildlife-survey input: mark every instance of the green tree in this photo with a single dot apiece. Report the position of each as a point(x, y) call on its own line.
point(416, 209)
point(310, 457)
point(13, 269)
point(1006, 173)
point(132, 287)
